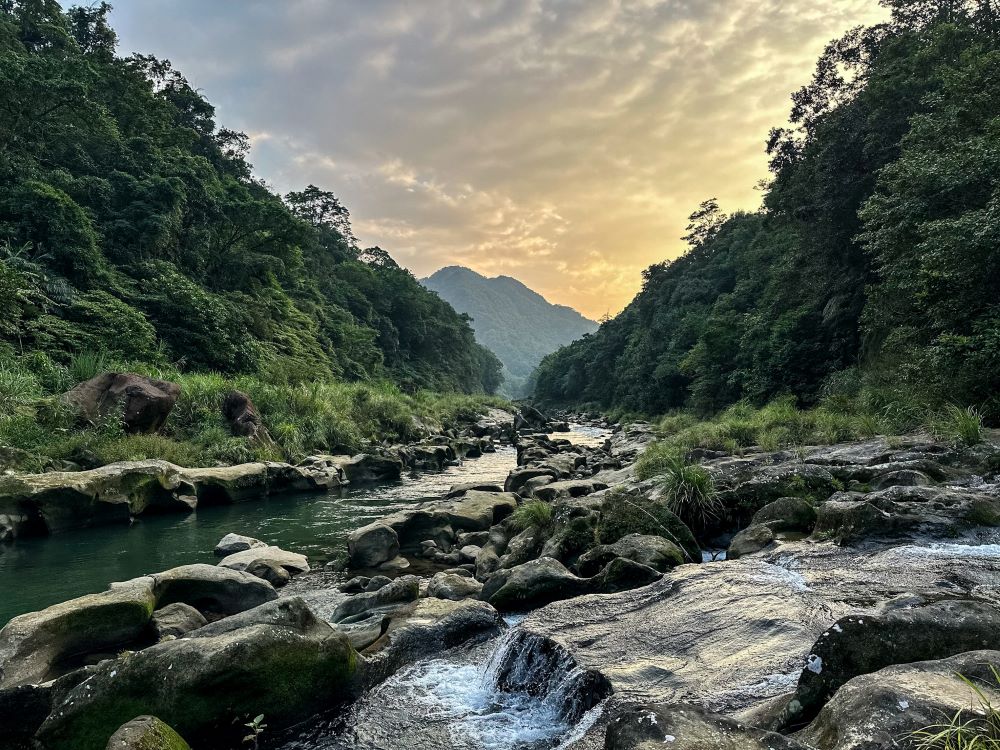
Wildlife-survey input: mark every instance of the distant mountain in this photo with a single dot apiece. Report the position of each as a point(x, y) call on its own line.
point(519, 325)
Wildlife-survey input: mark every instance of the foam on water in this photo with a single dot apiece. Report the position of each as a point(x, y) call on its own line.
point(948, 549)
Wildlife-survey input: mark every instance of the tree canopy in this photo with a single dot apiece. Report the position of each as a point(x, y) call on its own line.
point(131, 223)
point(874, 259)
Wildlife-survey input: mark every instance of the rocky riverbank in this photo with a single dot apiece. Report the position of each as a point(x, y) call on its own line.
point(861, 578)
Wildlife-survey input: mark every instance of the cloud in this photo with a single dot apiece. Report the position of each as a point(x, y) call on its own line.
point(564, 143)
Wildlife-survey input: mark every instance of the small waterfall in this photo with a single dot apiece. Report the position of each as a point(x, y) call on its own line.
point(524, 662)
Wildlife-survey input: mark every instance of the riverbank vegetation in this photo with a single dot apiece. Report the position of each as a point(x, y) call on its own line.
point(39, 431)
point(865, 288)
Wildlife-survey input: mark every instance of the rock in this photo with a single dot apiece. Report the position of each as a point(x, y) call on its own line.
point(908, 630)
point(524, 546)
point(275, 557)
point(143, 403)
point(425, 628)
point(285, 672)
point(532, 584)
point(367, 468)
point(59, 501)
point(904, 511)
point(567, 488)
point(22, 711)
point(517, 478)
point(786, 514)
point(210, 589)
point(453, 586)
point(877, 710)
point(652, 551)
point(9, 527)
point(377, 582)
point(469, 553)
point(243, 418)
point(901, 478)
point(230, 544)
point(477, 538)
point(395, 564)
point(460, 489)
point(622, 575)
point(372, 545)
point(399, 591)
point(39, 646)
point(751, 539)
point(355, 586)
point(634, 511)
point(146, 733)
point(769, 483)
point(175, 620)
point(269, 571)
point(681, 726)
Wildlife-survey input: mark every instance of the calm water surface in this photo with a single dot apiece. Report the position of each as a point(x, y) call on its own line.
point(36, 573)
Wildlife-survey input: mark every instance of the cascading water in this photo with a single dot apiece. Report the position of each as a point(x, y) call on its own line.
point(517, 692)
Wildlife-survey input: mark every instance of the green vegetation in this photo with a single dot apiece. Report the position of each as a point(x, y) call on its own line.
point(303, 418)
point(688, 490)
point(513, 321)
point(626, 512)
point(870, 272)
point(534, 514)
point(960, 426)
point(131, 226)
point(966, 730)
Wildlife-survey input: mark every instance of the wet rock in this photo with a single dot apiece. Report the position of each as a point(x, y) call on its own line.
point(175, 620)
point(142, 403)
point(355, 585)
point(879, 709)
point(366, 468)
point(751, 539)
point(906, 631)
point(269, 571)
point(146, 733)
point(376, 582)
point(425, 628)
point(682, 726)
point(372, 545)
point(787, 514)
point(653, 551)
point(270, 556)
point(286, 673)
point(532, 584)
point(453, 586)
point(460, 489)
point(230, 544)
point(401, 590)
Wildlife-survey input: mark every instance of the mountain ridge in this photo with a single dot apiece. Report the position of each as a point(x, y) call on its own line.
point(503, 310)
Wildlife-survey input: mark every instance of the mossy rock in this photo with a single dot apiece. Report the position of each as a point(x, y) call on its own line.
point(146, 733)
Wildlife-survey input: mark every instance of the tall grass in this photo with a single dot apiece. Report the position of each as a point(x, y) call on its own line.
point(959, 426)
point(533, 514)
point(688, 490)
point(303, 418)
point(979, 731)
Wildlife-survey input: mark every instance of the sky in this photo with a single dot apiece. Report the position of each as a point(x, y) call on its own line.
point(561, 142)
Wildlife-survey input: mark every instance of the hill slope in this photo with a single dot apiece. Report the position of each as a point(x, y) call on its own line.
point(514, 322)
point(132, 225)
point(871, 272)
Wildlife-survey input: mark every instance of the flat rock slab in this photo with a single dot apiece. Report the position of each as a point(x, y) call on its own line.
point(293, 562)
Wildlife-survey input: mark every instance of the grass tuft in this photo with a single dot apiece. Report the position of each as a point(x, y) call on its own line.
point(959, 426)
point(980, 731)
point(533, 514)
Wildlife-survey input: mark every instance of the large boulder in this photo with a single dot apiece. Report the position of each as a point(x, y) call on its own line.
point(146, 733)
point(175, 620)
point(532, 584)
point(142, 403)
point(400, 591)
point(787, 514)
point(232, 543)
point(39, 646)
point(243, 418)
point(207, 687)
point(653, 551)
point(453, 586)
point(749, 540)
point(884, 709)
point(908, 630)
point(368, 468)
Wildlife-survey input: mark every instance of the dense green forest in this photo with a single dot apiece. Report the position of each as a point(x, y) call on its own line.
point(512, 321)
point(872, 271)
point(131, 225)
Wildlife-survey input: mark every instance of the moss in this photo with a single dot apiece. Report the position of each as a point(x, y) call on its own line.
point(984, 513)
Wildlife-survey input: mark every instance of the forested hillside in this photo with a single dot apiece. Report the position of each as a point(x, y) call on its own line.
point(132, 225)
point(872, 270)
point(511, 320)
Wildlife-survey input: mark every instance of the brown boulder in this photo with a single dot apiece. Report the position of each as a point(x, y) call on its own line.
point(144, 403)
point(243, 418)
